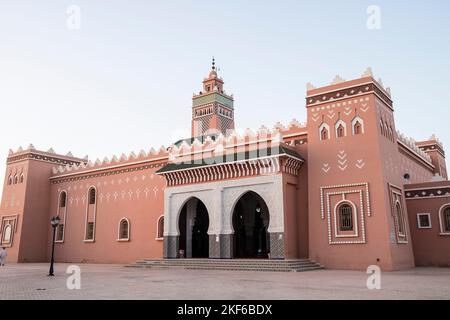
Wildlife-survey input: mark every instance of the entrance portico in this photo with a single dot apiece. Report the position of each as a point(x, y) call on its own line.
point(249, 184)
point(220, 199)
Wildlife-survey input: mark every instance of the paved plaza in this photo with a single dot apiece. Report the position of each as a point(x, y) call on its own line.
point(29, 281)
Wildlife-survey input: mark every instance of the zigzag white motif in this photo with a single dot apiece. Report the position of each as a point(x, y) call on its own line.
point(326, 167)
point(315, 117)
point(342, 160)
point(348, 111)
point(364, 107)
point(360, 163)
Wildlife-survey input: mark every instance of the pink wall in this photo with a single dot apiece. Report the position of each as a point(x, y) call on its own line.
point(13, 202)
point(431, 247)
point(35, 222)
point(136, 195)
point(291, 217)
point(346, 165)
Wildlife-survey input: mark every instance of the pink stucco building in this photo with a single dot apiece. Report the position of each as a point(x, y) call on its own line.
point(344, 189)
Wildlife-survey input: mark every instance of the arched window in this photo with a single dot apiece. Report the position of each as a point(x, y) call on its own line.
point(160, 229)
point(16, 179)
point(340, 131)
point(391, 134)
point(6, 235)
point(92, 196)
point(90, 231)
point(345, 217)
point(386, 131)
point(324, 132)
point(10, 180)
point(447, 219)
point(400, 220)
point(357, 128)
point(21, 178)
point(444, 219)
point(62, 200)
point(60, 232)
point(124, 229)
point(381, 127)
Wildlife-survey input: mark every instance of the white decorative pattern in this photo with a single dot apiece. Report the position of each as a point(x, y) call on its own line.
point(360, 163)
point(342, 160)
point(363, 184)
point(326, 167)
point(363, 229)
point(220, 199)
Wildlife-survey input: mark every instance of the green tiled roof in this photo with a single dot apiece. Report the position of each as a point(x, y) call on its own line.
point(213, 97)
point(230, 158)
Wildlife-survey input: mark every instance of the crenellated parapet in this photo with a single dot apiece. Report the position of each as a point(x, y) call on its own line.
point(236, 139)
point(340, 89)
point(113, 162)
point(411, 144)
point(432, 144)
point(50, 156)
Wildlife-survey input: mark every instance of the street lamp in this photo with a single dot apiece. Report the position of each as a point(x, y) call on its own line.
point(55, 222)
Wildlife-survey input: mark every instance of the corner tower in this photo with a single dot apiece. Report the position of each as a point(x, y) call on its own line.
point(25, 206)
point(357, 211)
point(212, 109)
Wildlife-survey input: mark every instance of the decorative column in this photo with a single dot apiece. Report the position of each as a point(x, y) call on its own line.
point(277, 245)
point(221, 246)
point(171, 237)
point(220, 238)
point(171, 247)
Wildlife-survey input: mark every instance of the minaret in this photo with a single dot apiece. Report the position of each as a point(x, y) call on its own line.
point(212, 109)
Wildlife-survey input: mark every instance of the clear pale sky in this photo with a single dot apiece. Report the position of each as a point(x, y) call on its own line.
point(124, 81)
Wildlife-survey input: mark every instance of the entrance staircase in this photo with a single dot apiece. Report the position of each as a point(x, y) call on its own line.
point(230, 264)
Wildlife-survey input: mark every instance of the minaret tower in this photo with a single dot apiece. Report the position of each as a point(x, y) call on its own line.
point(212, 109)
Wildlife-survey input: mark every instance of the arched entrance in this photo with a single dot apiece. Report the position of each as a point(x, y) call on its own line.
point(250, 223)
point(193, 224)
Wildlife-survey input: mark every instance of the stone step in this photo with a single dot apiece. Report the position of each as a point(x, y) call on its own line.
point(222, 261)
point(230, 264)
point(231, 268)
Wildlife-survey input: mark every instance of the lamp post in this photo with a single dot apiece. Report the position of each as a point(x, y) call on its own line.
point(55, 222)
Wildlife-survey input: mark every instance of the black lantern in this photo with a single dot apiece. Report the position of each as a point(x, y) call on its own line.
point(55, 222)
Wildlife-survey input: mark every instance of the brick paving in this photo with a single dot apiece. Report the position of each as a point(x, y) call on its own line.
point(29, 281)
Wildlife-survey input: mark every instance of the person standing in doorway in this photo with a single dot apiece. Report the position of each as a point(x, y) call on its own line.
point(3, 255)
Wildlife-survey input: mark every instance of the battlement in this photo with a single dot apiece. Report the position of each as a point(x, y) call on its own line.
point(31, 153)
point(340, 89)
point(206, 146)
point(411, 144)
point(114, 161)
point(431, 144)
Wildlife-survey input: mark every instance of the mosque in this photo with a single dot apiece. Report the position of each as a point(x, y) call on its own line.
point(345, 190)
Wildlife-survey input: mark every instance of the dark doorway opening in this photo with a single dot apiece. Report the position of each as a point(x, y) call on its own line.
point(193, 225)
point(250, 223)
